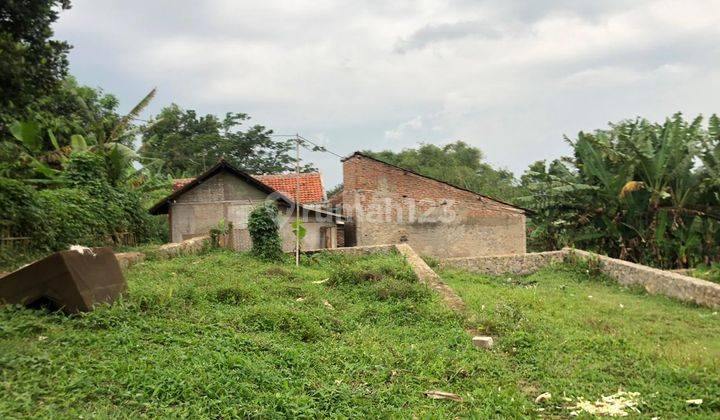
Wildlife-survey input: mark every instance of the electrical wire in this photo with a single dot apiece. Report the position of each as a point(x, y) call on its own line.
point(319, 148)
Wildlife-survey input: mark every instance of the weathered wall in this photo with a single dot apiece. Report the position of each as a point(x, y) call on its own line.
point(495, 265)
point(225, 196)
point(655, 281)
point(390, 205)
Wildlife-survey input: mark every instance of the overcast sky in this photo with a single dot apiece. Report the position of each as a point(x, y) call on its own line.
point(511, 77)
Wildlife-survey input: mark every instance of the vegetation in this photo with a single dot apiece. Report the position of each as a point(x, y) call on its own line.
point(220, 232)
point(456, 163)
point(707, 272)
point(32, 63)
point(227, 335)
point(567, 331)
point(190, 144)
point(638, 191)
point(88, 210)
point(264, 232)
point(69, 169)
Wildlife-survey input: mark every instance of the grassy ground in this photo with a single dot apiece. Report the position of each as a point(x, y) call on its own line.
point(710, 273)
point(223, 335)
point(569, 333)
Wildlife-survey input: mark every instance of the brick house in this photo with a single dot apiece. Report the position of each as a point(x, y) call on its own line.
point(224, 192)
point(383, 203)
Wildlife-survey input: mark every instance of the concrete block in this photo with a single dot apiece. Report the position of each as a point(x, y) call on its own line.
point(482, 341)
point(72, 281)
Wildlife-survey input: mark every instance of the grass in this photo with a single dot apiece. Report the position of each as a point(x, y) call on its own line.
point(575, 334)
point(225, 335)
point(707, 272)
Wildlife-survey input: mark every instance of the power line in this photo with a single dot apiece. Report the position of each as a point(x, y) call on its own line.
point(321, 148)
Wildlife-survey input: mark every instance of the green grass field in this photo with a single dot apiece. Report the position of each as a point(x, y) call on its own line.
point(223, 335)
point(571, 333)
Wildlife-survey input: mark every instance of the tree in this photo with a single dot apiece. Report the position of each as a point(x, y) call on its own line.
point(36, 153)
point(189, 143)
point(32, 64)
point(634, 191)
point(456, 163)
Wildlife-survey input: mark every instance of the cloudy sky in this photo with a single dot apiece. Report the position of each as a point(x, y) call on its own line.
point(511, 77)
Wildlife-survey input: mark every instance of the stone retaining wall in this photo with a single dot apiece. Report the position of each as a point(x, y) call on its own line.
point(495, 265)
point(171, 250)
point(655, 281)
point(428, 276)
point(188, 246)
point(358, 250)
point(126, 259)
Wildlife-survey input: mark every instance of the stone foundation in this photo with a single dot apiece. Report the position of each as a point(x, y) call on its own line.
point(171, 250)
point(653, 280)
point(495, 265)
point(126, 259)
point(656, 281)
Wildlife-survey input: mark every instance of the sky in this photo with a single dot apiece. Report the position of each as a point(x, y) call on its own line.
point(509, 77)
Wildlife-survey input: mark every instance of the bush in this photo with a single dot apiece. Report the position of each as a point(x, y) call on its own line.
point(264, 232)
point(88, 212)
point(372, 270)
point(20, 208)
point(70, 218)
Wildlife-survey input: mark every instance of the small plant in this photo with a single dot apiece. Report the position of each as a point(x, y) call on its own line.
point(590, 266)
point(222, 229)
point(264, 232)
point(299, 230)
point(431, 261)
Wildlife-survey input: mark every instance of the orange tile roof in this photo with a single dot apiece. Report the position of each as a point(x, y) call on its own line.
point(180, 182)
point(311, 186)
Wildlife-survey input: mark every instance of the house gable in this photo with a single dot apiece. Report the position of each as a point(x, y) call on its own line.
point(388, 204)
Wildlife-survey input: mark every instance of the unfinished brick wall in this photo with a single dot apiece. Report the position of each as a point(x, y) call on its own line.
point(391, 205)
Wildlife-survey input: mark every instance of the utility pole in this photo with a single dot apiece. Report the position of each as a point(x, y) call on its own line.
point(297, 199)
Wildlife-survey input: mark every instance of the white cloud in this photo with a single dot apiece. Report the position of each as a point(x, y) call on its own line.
point(408, 128)
point(508, 76)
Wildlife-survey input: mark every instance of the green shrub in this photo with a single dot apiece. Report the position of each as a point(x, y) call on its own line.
point(88, 211)
point(20, 208)
point(264, 232)
point(399, 289)
point(70, 219)
point(369, 270)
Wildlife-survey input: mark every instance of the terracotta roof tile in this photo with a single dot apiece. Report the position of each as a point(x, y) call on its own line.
point(311, 186)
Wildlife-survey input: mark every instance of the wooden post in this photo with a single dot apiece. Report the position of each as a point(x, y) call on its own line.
point(297, 199)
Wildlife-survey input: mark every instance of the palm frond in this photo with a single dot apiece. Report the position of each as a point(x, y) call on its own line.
point(125, 121)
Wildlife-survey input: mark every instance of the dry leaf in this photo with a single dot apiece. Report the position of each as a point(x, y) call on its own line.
point(328, 305)
point(695, 402)
point(616, 405)
point(543, 397)
point(320, 281)
point(442, 395)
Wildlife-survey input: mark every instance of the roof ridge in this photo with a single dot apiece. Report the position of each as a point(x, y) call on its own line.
point(359, 153)
point(287, 174)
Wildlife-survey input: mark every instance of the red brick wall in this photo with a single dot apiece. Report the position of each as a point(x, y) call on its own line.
point(378, 196)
